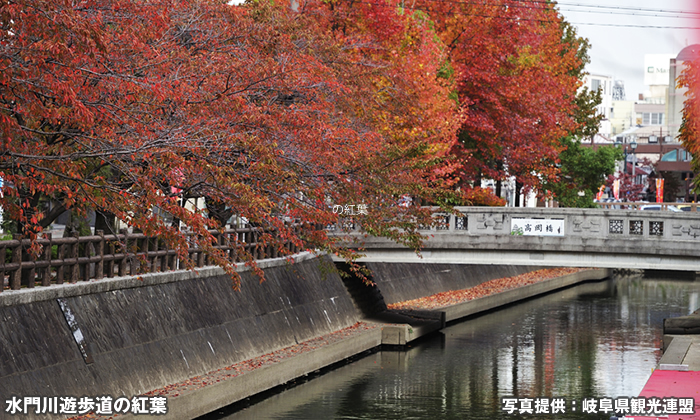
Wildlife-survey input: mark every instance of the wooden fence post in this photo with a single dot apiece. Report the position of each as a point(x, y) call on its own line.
point(125, 253)
point(46, 274)
point(155, 263)
point(134, 261)
point(200, 258)
point(61, 269)
point(31, 271)
point(3, 255)
point(16, 276)
point(74, 254)
point(100, 266)
point(111, 262)
point(88, 266)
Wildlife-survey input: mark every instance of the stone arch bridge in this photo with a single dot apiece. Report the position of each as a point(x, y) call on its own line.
point(561, 237)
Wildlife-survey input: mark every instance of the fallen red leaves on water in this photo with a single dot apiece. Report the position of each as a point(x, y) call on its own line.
point(453, 297)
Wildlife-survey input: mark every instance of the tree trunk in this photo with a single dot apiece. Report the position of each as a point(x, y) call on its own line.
point(218, 211)
point(105, 222)
point(78, 223)
point(518, 187)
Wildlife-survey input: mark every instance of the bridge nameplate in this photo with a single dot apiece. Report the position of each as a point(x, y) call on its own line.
point(537, 227)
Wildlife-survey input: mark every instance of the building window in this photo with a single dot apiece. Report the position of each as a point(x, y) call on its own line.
point(677, 155)
point(671, 156)
point(595, 84)
point(652, 118)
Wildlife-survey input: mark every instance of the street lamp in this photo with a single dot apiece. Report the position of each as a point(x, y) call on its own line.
point(633, 145)
point(618, 144)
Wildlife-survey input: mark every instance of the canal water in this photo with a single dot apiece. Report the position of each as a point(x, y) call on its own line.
point(594, 340)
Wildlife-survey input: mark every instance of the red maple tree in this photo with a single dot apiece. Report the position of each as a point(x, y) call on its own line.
point(124, 108)
point(689, 133)
point(128, 108)
point(517, 67)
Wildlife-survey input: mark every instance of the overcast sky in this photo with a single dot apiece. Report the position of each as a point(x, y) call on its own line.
point(643, 27)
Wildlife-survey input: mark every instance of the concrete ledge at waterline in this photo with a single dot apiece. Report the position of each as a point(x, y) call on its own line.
point(689, 324)
point(680, 368)
point(396, 335)
point(504, 298)
point(675, 349)
point(424, 322)
point(195, 403)
point(402, 334)
point(681, 351)
point(43, 293)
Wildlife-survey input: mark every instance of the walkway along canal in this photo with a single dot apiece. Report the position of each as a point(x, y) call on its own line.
point(593, 340)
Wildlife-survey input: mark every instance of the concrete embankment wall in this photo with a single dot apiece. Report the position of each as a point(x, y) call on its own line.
point(403, 281)
point(142, 334)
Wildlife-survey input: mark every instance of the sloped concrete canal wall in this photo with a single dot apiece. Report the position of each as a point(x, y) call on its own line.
point(131, 336)
point(407, 281)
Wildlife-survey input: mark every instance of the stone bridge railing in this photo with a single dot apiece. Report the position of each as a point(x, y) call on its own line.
point(634, 224)
point(578, 237)
point(612, 223)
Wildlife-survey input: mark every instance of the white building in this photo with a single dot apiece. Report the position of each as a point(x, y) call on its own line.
point(622, 117)
point(605, 84)
point(656, 76)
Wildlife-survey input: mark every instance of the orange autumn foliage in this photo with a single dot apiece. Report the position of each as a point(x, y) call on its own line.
point(126, 108)
point(689, 132)
point(517, 67)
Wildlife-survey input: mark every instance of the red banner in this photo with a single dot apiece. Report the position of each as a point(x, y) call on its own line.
point(659, 190)
point(599, 194)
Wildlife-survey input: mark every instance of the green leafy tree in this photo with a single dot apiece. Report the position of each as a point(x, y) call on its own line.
point(583, 169)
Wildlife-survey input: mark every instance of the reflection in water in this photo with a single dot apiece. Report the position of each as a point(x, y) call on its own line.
point(594, 340)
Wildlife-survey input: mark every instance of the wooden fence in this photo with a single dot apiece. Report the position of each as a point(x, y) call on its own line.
point(82, 258)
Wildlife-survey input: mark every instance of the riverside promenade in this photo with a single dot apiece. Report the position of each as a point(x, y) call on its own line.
point(677, 375)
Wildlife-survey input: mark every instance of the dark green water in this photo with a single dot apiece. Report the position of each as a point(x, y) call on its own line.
point(594, 340)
